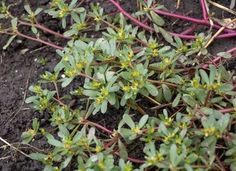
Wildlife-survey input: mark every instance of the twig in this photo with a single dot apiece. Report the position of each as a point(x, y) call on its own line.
point(57, 91)
point(222, 168)
point(222, 7)
point(7, 143)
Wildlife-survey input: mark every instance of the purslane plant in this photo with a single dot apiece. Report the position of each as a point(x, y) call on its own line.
point(183, 114)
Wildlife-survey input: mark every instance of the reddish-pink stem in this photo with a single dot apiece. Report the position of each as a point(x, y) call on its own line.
point(39, 26)
point(39, 40)
point(190, 19)
point(217, 59)
point(130, 17)
point(99, 126)
point(190, 29)
point(132, 159)
point(198, 21)
point(227, 110)
point(204, 10)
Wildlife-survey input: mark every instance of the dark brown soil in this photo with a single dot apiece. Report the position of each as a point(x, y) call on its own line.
point(18, 70)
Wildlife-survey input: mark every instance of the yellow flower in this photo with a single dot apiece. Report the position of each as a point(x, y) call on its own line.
point(168, 121)
point(135, 74)
point(80, 26)
point(79, 65)
point(159, 157)
point(96, 84)
point(63, 12)
point(71, 73)
point(136, 130)
point(104, 92)
point(153, 45)
point(37, 89)
point(195, 83)
point(125, 64)
point(97, 18)
point(154, 52)
point(209, 131)
point(101, 165)
point(98, 149)
point(134, 86)
point(32, 132)
point(130, 54)
point(121, 34)
point(99, 100)
point(67, 144)
point(126, 88)
point(167, 61)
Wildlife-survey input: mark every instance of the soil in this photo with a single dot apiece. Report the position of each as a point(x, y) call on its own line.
point(20, 68)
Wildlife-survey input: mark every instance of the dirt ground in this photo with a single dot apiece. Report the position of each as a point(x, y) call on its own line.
point(19, 68)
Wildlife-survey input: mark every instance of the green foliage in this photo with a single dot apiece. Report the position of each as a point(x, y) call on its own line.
point(180, 113)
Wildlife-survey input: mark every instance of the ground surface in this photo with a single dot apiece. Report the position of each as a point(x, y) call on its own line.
point(19, 68)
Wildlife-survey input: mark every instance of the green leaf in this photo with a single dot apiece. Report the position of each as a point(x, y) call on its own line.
point(66, 162)
point(149, 3)
point(70, 32)
point(34, 30)
point(173, 154)
point(63, 21)
point(164, 33)
point(35, 124)
point(167, 92)
point(26, 137)
point(9, 42)
point(38, 156)
point(28, 9)
point(157, 19)
point(143, 121)
point(104, 107)
point(73, 3)
point(212, 74)
point(122, 150)
point(14, 24)
point(63, 131)
point(66, 82)
point(188, 167)
point(189, 100)
point(38, 10)
point(176, 100)
point(151, 89)
point(31, 99)
point(224, 55)
point(204, 76)
point(53, 141)
point(223, 122)
point(128, 120)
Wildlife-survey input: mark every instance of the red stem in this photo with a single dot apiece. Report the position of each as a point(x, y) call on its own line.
point(227, 110)
point(39, 40)
point(190, 19)
point(217, 59)
point(204, 11)
point(190, 29)
point(39, 26)
point(194, 20)
point(132, 159)
point(98, 126)
point(130, 17)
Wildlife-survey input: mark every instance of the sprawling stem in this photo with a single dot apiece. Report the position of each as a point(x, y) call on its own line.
point(218, 59)
point(39, 40)
point(193, 20)
point(43, 28)
point(204, 10)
